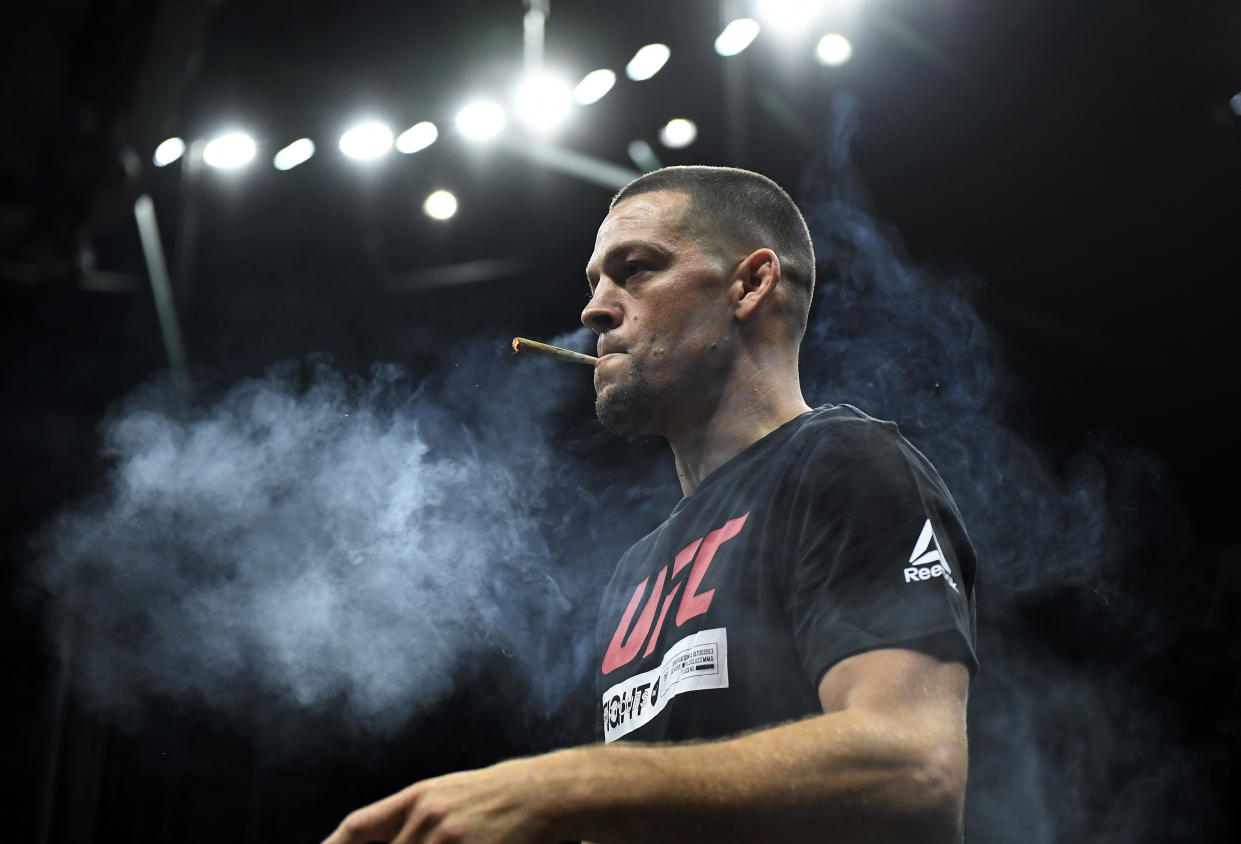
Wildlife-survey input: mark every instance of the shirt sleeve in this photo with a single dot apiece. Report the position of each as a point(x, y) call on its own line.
point(882, 558)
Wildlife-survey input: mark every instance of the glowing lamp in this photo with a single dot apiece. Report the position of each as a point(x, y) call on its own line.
point(168, 152)
point(543, 104)
point(419, 136)
point(678, 133)
point(833, 50)
point(294, 154)
point(647, 62)
point(366, 141)
point(736, 37)
point(594, 86)
point(481, 120)
point(440, 205)
point(234, 149)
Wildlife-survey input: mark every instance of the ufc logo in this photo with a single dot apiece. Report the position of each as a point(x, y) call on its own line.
point(631, 635)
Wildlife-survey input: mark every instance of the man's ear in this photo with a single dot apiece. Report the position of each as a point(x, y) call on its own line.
point(757, 279)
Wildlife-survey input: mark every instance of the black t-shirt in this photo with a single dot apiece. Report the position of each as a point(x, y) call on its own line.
point(829, 537)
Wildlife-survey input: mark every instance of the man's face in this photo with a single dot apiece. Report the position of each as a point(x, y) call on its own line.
point(660, 307)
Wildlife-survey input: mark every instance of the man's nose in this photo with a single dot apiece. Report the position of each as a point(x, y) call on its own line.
point(601, 312)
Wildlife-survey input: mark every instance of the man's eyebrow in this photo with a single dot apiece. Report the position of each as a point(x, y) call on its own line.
point(615, 252)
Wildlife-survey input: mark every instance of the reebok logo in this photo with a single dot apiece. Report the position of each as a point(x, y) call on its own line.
point(927, 562)
point(632, 634)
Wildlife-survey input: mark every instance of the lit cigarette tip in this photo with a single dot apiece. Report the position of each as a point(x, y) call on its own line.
point(533, 347)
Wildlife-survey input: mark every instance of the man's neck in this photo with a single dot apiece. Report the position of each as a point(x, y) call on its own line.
point(741, 419)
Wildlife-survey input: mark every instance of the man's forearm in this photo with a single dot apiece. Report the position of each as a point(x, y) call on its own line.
point(851, 775)
point(886, 764)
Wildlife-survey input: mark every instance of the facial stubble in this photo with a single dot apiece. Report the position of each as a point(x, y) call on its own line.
point(627, 407)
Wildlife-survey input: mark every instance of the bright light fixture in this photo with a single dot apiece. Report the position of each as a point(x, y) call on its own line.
point(736, 36)
point(227, 151)
point(1235, 104)
point(169, 151)
point(543, 103)
point(366, 141)
point(647, 62)
point(678, 133)
point(833, 50)
point(294, 154)
point(593, 86)
point(480, 120)
point(789, 16)
point(419, 136)
point(440, 205)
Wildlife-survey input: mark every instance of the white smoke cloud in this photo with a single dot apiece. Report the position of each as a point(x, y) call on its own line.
point(309, 539)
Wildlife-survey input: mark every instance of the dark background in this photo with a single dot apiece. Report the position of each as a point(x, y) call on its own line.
point(1079, 161)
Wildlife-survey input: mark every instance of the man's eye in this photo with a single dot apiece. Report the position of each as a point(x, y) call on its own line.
point(632, 267)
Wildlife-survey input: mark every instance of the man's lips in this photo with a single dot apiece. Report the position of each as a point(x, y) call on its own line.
point(606, 350)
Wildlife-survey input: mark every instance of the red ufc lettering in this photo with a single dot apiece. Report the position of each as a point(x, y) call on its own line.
point(624, 648)
point(630, 634)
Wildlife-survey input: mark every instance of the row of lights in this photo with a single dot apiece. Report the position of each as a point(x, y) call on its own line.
point(237, 148)
point(543, 103)
point(832, 50)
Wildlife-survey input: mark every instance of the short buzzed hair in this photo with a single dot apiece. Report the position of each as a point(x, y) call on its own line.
point(741, 211)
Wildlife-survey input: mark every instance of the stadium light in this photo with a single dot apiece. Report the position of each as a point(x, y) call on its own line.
point(833, 50)
point(366, 141)
point(678, 133)
point(789, 17)
point(419, 136)
point(168, 152)
point(543, 103)
point(234, 149)
point(1235, 104)
point(294, 154)
point(440, 205)
point(481, 120)
point(594, 86)
point(736, 36)
point(647, 62)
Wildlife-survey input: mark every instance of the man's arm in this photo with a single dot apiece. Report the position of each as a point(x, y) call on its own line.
point(886, 762)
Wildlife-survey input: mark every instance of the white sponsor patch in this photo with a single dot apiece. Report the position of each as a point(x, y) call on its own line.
point(696, 662)
point(926, 561)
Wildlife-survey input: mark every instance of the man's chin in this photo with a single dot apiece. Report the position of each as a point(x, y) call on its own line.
point(625, 410)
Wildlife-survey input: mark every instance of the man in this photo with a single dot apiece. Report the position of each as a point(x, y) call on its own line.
point(797, 638)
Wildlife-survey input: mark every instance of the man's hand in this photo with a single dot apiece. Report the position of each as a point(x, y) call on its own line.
point(509, 802)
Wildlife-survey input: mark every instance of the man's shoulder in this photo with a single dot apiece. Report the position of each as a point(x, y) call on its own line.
point(817, 446)
point(840, 446)
point(845, 429)
point(845, 417)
